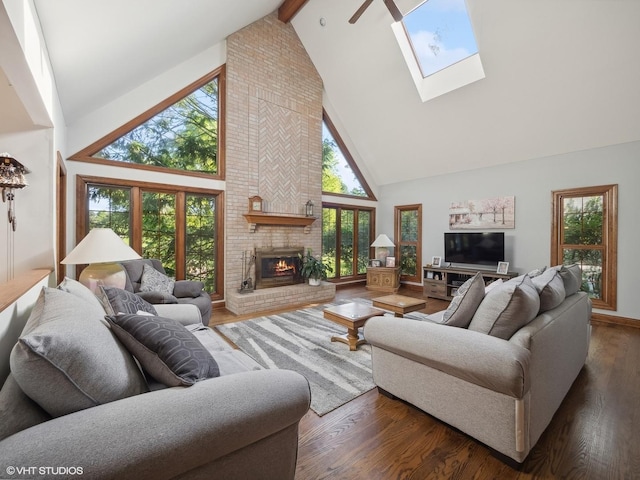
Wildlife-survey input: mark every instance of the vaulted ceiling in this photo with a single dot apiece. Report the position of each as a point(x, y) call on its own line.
point(560, 75)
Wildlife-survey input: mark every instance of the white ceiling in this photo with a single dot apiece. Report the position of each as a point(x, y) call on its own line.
point(560, 75)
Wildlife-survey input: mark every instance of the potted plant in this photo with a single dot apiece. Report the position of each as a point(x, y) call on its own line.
point(313, 268)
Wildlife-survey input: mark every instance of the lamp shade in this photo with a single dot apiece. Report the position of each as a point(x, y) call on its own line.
point(101, 245)
point(382, 241)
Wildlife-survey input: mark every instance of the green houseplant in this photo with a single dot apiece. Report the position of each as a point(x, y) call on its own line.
point(313, 268)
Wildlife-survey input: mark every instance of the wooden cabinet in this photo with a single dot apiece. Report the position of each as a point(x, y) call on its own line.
point(444, 282)
point(383, 279)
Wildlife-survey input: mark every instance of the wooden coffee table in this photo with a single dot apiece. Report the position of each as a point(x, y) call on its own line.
point(353, 316)
point(399, 304)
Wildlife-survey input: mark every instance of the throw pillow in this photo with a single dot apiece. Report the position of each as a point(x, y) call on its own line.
point(166, 350)
point(550, 287)
point(66, 360)
point(537, 271)
point(121, 301)
point(79, 290)
point(154, 281)
point(465, 302)
point(505, 310)
point(492, 285)
point(571, 276)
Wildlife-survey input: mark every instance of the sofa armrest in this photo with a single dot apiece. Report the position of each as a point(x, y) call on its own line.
point(184, 313)
point(477, 358)
point(165, 433)
point(187, 288)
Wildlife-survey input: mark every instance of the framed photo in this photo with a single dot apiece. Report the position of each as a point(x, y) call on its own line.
point(430, 275)
point(375, 263)
point(503, 268)
point(436, 261)
point(391, 262)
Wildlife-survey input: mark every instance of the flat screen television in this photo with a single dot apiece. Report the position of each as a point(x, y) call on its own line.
point(474, 248)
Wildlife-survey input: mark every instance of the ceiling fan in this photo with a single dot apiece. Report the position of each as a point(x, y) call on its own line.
point(393, 9)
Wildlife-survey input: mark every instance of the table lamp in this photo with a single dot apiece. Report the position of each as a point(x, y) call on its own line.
point(382, 245)
point(101, 249)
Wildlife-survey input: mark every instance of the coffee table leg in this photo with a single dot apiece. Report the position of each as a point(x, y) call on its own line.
point(398, 315)
point(351, 338)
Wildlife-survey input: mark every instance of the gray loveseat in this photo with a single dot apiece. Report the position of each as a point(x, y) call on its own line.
point(241, 424)
point(499, 383)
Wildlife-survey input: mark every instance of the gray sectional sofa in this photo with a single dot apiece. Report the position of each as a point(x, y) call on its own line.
point(496, 365)
point(77, 399)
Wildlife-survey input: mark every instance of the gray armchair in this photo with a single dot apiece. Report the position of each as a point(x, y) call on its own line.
point(184, 291)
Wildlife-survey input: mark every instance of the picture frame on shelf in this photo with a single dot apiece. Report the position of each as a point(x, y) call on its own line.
point(436, 262)
point(429, 275)
point(503, 268)
point(375, 262)
point(391, 262)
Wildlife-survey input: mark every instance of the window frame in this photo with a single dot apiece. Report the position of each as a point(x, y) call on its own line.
point(350, 161)
point(356, 208)
point(137, 188)
point(609, 246)
point(86, 154)
point(397, 215)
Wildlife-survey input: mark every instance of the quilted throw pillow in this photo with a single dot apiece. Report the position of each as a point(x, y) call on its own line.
point(154, 281)
point(465, 303)
point(165, 349)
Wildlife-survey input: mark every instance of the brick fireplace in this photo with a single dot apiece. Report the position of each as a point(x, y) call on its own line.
point(274, 150)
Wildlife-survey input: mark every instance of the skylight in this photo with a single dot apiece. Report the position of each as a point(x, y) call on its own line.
point(440, 33)
point(437, 42)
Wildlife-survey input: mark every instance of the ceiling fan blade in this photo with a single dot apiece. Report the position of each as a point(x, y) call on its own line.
point(393, 9)
point(360, 11)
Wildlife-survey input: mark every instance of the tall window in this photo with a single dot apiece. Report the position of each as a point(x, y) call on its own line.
point(177, 225)
point(183, 133)
point(585, 232)
point(408, 233)
point(340, 174)
point(347, 233)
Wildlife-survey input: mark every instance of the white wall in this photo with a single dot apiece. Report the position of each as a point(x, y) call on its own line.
point(531, 182)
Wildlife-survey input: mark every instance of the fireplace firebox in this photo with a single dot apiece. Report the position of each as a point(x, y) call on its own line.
point(278, 266)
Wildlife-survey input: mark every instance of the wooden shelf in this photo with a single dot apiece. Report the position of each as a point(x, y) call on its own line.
point(254, 219)
point(441, 284)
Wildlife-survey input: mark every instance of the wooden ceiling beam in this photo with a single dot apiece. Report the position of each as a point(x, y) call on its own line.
point(289, 8)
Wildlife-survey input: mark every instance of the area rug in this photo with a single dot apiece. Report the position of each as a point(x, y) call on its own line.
point(301, 341)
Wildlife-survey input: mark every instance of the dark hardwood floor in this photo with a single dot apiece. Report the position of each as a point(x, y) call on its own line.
point(595, 434)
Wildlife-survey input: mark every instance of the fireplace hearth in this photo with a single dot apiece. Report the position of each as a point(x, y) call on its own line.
point(278, 266)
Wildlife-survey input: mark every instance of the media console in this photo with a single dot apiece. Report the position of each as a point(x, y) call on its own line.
point(443, 283)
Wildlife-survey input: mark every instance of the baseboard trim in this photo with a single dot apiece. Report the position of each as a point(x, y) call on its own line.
point(612, 320)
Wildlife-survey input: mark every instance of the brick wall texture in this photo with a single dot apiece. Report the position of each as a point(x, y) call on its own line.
point(273, 139)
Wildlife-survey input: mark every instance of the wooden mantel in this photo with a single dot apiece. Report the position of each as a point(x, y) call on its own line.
point(255, 218)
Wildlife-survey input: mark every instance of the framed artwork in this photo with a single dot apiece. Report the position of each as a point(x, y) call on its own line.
point(503, 268)
point(391, 262)
point(430, 275)
point(436, 262)
point(497, 212)
point(375, 263)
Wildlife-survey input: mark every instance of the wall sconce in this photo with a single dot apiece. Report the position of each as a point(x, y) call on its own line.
point(12, 174)
point(308, 209)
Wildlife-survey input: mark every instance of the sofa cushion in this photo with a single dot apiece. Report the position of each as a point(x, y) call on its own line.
point(506, 309)
point(571, 276)
point(157, 298)
point(67, 360)
point(492, 285)
point(154, 281)
point(465, 302)
point(165, 349)
point(17, 410)
point(117, 301)
point(550, 287)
